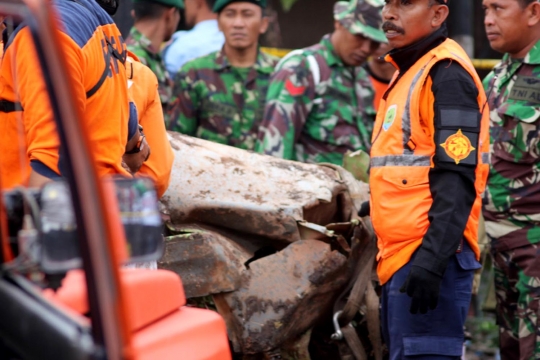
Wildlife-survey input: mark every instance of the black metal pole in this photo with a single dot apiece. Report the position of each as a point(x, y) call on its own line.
point(460, 24)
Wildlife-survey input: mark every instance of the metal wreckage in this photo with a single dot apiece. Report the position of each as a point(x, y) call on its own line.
point(278, 246)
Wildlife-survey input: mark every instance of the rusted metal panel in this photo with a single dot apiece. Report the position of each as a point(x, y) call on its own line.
point(207, 262)
point(247, 192)
point(283, 296)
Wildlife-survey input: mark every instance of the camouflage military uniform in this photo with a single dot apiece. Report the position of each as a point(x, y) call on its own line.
point(141, 46)
point(317, 107)
point(320, 123)
point(512, 211)
point(218, 102)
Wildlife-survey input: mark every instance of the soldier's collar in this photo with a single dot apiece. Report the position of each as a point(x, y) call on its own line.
point(331, 57)
point(262, 64)
point(143, 40)
point(532, 58)
point(222, 62)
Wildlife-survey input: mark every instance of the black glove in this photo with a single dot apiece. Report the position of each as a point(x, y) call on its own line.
point(423, 286)
point(364, 209)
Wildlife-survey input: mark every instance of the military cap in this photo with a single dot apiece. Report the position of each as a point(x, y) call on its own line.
point(172, 3)
point(361, 17)
point(220, 4)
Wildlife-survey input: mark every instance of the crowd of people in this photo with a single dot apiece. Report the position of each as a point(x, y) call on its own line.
point(445, 146)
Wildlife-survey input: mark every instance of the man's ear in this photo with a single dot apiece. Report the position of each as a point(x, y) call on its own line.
point(218, 23)
point(170, 12)
point(132, 12)
point(337, 25)
point(440, 15)
point(264, 24)
point(533, 13)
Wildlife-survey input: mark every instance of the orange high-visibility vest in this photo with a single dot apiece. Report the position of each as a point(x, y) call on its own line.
point(402, 156)
point(143, 90)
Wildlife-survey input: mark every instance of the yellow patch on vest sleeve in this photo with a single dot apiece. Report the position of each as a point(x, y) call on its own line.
point(458, 146)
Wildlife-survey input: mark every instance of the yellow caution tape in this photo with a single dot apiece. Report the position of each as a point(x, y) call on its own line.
point(485, 64)
point(479, 64)
point(276, 52)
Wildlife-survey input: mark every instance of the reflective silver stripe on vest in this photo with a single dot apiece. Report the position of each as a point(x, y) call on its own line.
point(465, 62)
point(406, 118)
point(400, 160)
point(486, 159)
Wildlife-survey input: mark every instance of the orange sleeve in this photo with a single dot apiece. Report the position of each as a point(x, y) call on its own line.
point(144, 91)
point(38, 119)
point(14, 166)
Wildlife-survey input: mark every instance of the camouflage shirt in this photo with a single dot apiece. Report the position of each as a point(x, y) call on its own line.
point(141, 46)
point(218, 102)
point(513, 88)
point(312, 122)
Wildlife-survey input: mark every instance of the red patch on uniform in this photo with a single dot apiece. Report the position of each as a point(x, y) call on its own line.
point(293, 89)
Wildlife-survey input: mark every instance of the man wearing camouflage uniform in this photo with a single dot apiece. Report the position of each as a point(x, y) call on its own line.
point(512, 209)
point(320, 100)
point(155, 23)
point(220, 96)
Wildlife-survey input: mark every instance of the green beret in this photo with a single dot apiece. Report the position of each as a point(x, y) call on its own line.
point(220, 4)
point(172, 3)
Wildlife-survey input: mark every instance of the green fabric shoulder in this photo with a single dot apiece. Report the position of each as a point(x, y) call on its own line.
point(204, 62)
point(291, 61)
point(267, 61)
point(182, 113)
point(139, 52)
point(487, 80)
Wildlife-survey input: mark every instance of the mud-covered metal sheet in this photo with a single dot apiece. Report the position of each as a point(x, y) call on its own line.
point(207, 262)
point(283, 296)
point(255, 194)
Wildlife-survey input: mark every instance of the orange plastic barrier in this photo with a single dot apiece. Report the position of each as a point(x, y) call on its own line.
point(163, 328)
point(149, 294)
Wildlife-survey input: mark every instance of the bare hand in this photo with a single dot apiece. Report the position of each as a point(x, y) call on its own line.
point(135, 161)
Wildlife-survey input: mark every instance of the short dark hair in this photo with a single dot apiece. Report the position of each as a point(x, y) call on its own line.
point(525, 3)
point(144, 9)
point(210, 3)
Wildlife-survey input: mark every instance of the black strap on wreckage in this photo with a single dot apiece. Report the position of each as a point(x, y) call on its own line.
point(359, 291)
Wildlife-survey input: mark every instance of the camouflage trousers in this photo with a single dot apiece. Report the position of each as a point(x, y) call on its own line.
point(517, 286)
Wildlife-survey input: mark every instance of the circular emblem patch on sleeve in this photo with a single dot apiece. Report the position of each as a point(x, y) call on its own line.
point(458, 146)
